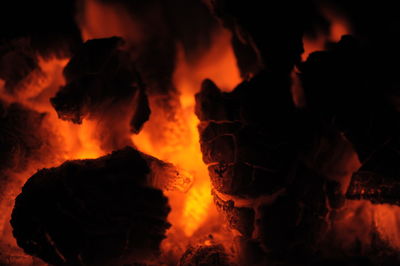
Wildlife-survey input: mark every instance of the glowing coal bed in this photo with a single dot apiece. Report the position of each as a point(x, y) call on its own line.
point(199, 132)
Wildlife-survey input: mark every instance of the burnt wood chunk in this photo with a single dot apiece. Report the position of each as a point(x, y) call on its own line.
point(238, 218)
point(344, 87)
point(212, 255)
point(378, 180)
point(264, 161)
point(221, 149)
point(92, 212)
point(100, 77)
point(231, 178)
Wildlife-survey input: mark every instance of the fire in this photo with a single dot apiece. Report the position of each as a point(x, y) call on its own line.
point(171, 133)
point(181, 145)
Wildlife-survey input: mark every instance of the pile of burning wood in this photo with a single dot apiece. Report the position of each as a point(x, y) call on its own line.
point(303, 155)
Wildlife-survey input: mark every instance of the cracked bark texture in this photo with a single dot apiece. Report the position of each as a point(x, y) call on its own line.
point(206, 255)
point(264, 158)
point(92, 212)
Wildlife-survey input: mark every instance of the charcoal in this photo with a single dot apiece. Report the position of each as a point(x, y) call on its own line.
point(211, 103)
point(255, 23)
point(211, 130)
point(221, 149)
point(231, 178)
point(205, 255)
point(378, 180)
point(348, 90)
point(297, 219)
point(92, 212)
point(238, 218)
point(270, 167)
point(345, 91)
point(100, 77)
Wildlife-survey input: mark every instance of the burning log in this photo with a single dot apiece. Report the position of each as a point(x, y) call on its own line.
point(100, 77)
point(366, 115)
point(265, 170)
point(92, 212)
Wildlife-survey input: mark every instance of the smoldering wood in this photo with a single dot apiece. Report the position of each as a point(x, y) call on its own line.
point(254, 154)
point(238, 218)
point(101, 76)
point(213, 255)
point(340, 87)
point(343, 86)
point(92, 212)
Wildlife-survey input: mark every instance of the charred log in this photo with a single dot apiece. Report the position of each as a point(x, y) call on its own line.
point(92, 212)
point(202, 255)
point(340, 85)
point(255, 24)
point(265, 166)
point(99, 77)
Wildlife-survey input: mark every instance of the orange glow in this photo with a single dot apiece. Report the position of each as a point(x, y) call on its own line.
point(66, 141)
point(361, 218)
point(339, 26)
point(218, 64)
point(387, 221)
point(100, 20)
point(180, 145)
point(71, 141)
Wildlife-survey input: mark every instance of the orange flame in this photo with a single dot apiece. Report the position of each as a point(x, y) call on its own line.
point(182, 146)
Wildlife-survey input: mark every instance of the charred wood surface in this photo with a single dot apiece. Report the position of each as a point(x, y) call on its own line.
point(212, 255)
point(92, 212)
point(100, 77)
point(263, 161)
